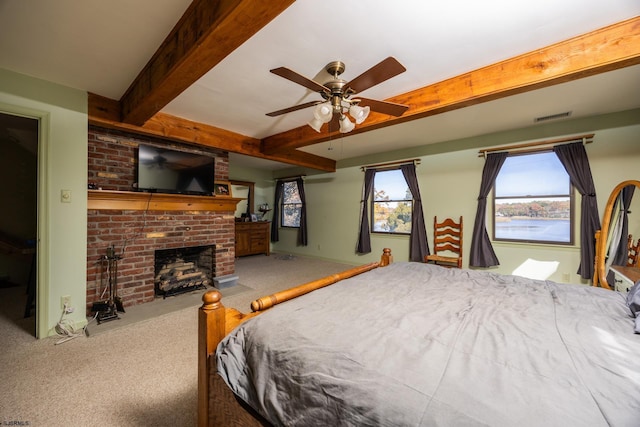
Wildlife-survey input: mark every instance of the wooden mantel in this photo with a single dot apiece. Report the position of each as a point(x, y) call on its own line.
point(129, 200)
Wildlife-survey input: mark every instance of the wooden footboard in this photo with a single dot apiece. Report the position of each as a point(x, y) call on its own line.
point(217, 405)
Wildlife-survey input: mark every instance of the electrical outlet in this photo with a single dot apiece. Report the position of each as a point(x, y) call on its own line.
point(66, 299)
point(566, 277)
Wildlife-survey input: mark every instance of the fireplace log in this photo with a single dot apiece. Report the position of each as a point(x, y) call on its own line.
point(177, 274)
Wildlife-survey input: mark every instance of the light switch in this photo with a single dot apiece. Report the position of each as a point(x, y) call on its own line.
point(65, 196)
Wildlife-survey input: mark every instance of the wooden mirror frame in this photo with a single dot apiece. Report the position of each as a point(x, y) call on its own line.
point(600, 275)
point(251, 197)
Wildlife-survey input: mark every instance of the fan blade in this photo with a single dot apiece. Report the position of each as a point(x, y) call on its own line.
point(385, 69)
point(294, 108)
point(300, 79)
point(384, 107)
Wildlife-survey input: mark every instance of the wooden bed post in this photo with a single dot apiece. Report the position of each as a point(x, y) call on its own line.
point(211, 330)
point(269, 301)
point(386, 257)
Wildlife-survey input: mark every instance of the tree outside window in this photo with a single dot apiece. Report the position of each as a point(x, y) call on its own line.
point(392, 203)
point(291, 205)
point(533, 200)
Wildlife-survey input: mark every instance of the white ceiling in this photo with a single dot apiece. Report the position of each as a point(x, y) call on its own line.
point(101, 46)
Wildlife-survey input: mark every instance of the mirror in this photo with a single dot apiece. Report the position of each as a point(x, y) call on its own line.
point(618, 222)
point(243, 190)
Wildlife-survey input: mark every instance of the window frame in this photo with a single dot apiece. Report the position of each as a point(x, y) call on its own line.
point(283, 204)
point(572, 213)
point(372, 203)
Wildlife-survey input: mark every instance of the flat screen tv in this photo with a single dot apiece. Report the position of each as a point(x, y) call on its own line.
point(165, 170)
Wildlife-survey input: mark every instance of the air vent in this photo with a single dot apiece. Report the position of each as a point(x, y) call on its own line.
point(552, 117)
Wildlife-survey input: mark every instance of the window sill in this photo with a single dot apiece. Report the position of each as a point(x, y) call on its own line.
point(379, 233)
point(539, 245)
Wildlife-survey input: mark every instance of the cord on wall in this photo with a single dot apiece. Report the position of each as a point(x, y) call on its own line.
point(64, 328)
point(142, 227)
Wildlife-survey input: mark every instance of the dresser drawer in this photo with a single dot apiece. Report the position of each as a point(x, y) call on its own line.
point(252, 238)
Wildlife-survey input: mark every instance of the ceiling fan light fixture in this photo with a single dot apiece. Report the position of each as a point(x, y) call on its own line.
point(337, 93)
point(345, 124)
point(358, 113)
point(323, 112)
point(316, 124)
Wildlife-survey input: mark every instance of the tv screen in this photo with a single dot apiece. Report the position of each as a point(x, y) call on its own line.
point(170, 171)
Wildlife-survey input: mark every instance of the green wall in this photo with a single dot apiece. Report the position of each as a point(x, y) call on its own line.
point(62, 227)
point(449, 177)
point(263, 182)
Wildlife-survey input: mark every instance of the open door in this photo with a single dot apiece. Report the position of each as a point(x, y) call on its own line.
point(19, 138)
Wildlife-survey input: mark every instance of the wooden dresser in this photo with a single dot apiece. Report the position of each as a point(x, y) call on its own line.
point(625, 277)
point(252, 238)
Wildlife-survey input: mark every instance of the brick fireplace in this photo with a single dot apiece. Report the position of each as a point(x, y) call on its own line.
point(139, 224)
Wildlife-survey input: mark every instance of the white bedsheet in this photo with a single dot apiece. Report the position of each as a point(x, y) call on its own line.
point(415, 344)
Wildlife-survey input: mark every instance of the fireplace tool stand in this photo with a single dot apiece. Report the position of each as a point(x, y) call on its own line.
point(108, 310)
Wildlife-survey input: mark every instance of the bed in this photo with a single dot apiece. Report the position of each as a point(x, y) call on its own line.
point(413, 344)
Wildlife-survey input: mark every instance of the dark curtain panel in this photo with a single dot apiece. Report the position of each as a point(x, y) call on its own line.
point(276, 211)
point(482, 253)
point(574, 159)
point(418, 245)
point(302, 231)
point(364, 238)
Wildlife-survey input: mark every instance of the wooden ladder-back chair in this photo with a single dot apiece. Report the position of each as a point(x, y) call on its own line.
point(447, 237)
point(632, 252)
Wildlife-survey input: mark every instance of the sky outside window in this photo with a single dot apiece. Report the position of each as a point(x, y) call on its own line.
point(393, 184)
point(532, 175)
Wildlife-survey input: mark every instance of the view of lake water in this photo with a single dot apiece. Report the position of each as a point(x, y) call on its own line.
point(556, 230)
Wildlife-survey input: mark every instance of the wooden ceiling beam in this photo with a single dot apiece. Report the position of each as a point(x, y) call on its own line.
point(610, 48)
point(105, 112)
point(207, 32)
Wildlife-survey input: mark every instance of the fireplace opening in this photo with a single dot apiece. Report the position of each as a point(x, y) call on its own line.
point(182, 270)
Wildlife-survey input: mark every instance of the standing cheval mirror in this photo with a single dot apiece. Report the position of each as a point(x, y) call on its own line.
point(615, 267)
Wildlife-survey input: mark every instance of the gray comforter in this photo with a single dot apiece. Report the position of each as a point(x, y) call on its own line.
point(414, 344)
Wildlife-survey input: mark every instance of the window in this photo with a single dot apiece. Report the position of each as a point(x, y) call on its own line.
point(392, 203)
point(291, 205)
point(533, 200)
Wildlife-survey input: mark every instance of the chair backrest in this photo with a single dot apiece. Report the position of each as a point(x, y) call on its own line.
point(632, 252)
point(447, 236)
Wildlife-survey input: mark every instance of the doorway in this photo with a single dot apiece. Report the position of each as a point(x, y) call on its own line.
point(19, 136)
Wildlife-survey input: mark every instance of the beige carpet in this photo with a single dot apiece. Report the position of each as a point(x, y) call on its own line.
point(139, 370)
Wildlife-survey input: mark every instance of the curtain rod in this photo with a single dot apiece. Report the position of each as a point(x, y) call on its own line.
point(291, 178)
point(398, 163)
point(586, 139)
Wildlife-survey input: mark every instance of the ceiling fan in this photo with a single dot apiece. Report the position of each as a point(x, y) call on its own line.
point(337, 94)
